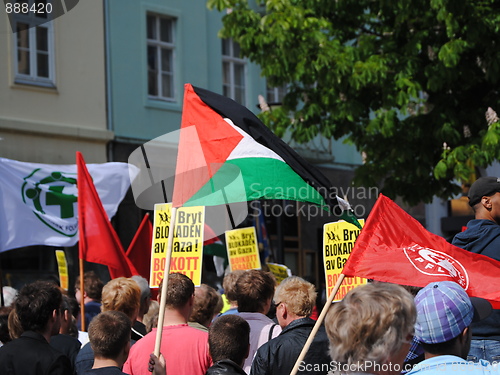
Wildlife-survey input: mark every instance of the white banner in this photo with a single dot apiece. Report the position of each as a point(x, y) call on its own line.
point(38, 202)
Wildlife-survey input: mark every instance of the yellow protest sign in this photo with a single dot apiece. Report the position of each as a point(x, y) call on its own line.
point(187, 246)
point(242, 249)
point(338, 242)
point(280, 271)
point(62, 266)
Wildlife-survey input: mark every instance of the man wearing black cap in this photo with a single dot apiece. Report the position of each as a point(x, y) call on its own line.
point(444, 314)
point(483, 237)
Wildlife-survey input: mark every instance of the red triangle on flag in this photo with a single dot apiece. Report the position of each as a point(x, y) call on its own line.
point(139, 250)
point(205, 143)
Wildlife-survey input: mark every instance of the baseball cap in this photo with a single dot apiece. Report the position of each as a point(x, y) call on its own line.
point(443, 311)
point(483, 186)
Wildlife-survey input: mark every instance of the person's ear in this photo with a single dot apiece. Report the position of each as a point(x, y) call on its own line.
point(486, 202)
point(463, 337)
point(284, 310)
point(55, 314)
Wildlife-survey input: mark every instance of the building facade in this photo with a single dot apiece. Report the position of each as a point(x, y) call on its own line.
point(106, 77)
point(52, 103)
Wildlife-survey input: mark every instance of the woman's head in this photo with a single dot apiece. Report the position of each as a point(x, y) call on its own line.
point(372, 324)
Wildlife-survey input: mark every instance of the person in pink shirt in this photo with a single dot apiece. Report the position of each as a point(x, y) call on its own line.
point(185, 348)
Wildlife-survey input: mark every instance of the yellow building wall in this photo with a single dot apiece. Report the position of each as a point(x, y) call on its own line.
point(49, 125)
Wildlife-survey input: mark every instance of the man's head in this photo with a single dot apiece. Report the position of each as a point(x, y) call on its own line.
point(38, 307)
point(254, 291)
point(145, 294)
point(229, 338)
point(444, 313)
point(180, 291)
point(483, 187)
point(294, 298)
point(109, 335)
point(121, 294)
point(92, 286)
point(484, 198)
point(207, 304)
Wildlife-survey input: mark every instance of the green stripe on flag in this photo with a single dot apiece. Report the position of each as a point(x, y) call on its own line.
point(267, 179)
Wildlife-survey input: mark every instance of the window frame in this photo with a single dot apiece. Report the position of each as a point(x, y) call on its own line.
point(159, 45)
point(33, 78)
point(232, 60)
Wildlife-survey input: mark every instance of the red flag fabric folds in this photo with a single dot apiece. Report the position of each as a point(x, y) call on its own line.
point(99, 242)
point(139, 250)
point(394, 247)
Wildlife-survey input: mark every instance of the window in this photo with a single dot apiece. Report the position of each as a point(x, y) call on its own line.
point(233, 71)
point(161, 46)
point(275, 94)
point(34, 49)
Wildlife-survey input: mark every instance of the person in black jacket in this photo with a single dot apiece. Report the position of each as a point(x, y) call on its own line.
point(483, 237)
point(64, 342)
point(294, 299)
point(229, 345)
point(38, 309)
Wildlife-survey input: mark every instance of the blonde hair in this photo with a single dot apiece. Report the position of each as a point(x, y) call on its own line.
point(298, 294)
point(122, 294)
point(371, 323)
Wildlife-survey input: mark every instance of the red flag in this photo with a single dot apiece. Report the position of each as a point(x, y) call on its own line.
point(99, 242)
point(139, 250)
point(394, 247)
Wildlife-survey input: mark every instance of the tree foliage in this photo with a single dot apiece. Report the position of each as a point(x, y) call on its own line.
point(396, 78)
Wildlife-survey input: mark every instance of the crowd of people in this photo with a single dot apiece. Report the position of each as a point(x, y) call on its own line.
point(263, 327)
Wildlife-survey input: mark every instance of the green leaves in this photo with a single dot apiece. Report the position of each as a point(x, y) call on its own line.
point(450, 52)
point(398, 79)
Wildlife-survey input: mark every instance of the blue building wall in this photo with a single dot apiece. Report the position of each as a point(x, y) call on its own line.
point(198, 60)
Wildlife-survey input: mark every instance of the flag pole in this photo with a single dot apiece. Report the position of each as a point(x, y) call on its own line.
point(82, 292)
point(317, 325)
point(163, 295)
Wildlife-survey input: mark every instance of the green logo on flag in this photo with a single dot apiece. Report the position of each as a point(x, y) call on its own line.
point(52, 197)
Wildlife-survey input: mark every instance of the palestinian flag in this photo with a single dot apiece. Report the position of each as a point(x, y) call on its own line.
point(226, 155)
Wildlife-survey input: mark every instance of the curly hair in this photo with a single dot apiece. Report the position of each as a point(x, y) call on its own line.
point(35, 304)
point(298, 294)
point(371, 323)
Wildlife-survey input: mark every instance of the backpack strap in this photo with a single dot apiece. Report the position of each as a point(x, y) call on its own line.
point(271, 332)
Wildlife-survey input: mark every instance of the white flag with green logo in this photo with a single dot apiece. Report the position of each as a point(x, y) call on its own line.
point(38, 202)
